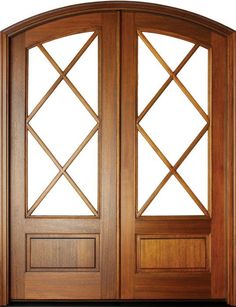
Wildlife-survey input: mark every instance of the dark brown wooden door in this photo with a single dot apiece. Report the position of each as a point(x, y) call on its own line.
point(172, 160)
point(117, 159)
point(63, 221)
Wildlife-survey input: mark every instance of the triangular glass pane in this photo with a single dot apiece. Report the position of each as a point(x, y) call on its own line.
point(84, 170)
point(151, 170)
point(173, 123)
point(62, 200)
point(41, 76)
point(84, 75)
point(64, 49)
point(194, 170)
point(63, 122)
point(171, 49)
point(172, 200)
point(151, 75)
point(41, 170)
point(194, 75)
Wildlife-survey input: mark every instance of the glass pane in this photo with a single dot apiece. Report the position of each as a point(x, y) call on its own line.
point(151, 76)
point(84, 170)
point(42, 75)
point(62, 200)
point(37, 181)
point(63, 122)
point(151, 170)
point(173, 123)
point(63, 56)
point(85, 77)
point(173, 200)
point(197, 69)
point(171, 49)
point(194, 170)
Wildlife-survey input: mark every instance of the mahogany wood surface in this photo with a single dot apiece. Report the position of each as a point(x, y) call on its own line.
point(42, 273)
point(135, 279)
point(123, 267)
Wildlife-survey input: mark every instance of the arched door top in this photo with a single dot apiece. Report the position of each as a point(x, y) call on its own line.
point(104, 6)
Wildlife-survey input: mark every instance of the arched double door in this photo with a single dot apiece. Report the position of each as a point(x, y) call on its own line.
point(118, 167)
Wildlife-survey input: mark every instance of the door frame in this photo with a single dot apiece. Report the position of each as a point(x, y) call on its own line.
point(230, 112)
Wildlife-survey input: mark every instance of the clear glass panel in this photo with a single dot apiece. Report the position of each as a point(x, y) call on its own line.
point(62, 200)
point(171, 49)
point(194, 170)
point(85, 77)
point(173, 123)
point(151, 76)
point(197, 69)
point(62, 122)
point(42, 75)
point(64, 49)
point(173, 200)
point(84, 170)
point(151, 170)
point(37, 181)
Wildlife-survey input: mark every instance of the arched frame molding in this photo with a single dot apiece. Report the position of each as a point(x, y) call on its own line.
point(230, 139)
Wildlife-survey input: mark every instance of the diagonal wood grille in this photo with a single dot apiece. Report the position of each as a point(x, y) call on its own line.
point(63, 168)
point(172, 167)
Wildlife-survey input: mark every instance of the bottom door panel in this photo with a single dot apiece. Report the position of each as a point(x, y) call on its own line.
point(173, 285)
point(63, 286)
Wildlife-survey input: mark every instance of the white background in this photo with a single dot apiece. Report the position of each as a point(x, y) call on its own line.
point(12, 11)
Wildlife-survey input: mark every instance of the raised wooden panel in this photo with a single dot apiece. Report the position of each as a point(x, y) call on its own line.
point(172, 253)
point(62, 252)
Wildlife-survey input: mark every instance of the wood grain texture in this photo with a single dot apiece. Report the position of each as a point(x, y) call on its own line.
point(194, 285)
point(62, 252)
point(213, 284)
point(56, 29)
point(231, 171)
point(4, 174)
point(17, 167)
point(72, 285)
point(218, 164)
point(107, 6)
point(172, 225)
point(128, 151)
point(171, 253)
point(52, 285)
point(109, 159)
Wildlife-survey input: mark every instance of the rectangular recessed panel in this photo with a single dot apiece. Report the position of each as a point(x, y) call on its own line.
point(168, 253)
point(62, 253)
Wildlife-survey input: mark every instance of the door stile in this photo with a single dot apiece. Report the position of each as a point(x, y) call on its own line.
point(17, 133)
point(109, 156)
point(128, 152)
point(218, 165)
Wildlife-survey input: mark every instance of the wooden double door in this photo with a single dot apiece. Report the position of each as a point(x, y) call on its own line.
point(117, 159)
